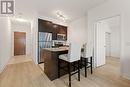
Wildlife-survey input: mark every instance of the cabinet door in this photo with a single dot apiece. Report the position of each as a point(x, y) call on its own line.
point(54, 31)
point(47, 26)
point(44, 26)
point(54, 36)
point(58, 29)
point(63, 30)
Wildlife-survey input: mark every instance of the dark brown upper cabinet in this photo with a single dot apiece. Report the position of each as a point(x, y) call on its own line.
point(62, 30)
point(48, 26)
point(44, 26)
point(54, 30)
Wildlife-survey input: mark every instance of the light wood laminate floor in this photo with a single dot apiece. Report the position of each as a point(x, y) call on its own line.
point(27, 74)
point(19, 59)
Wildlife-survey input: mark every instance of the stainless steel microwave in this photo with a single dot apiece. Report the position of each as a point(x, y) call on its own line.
point(61, 36)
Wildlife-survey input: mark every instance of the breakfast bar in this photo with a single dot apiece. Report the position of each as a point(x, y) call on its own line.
point(51, 61)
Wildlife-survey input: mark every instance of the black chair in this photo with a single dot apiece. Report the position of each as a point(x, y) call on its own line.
point(87, 58)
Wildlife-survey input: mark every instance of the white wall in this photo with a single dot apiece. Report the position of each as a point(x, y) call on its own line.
point(112, 8)
point(5, 42)
point(34, 35)
point(17, 26)
point(77, 30)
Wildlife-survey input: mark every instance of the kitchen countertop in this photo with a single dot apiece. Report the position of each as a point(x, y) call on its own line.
point(56, 49)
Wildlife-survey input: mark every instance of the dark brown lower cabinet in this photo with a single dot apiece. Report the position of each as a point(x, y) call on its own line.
point(51, 63)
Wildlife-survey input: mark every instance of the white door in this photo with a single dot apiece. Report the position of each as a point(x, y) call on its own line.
point(108, 44)
point(100, 44)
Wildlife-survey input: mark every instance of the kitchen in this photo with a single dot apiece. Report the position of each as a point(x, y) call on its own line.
point(50, 35)
point(52, 41)
point(49, 27)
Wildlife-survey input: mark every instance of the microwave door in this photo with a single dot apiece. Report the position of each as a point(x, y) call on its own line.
point(61, 36)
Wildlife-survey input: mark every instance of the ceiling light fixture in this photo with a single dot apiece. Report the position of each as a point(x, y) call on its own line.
point(61, 15)
point(21, 20)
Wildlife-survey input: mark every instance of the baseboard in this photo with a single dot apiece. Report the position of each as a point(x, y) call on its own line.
point(126, 76)
point(3, 68)
point(114, 57)
point(0, 71)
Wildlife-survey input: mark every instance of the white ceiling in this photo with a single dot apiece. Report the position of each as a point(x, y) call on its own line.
point(73, 9)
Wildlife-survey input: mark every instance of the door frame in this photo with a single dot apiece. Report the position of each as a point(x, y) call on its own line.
point(94, 36)
point(13, 41)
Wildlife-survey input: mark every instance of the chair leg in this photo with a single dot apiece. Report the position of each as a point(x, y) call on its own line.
point(69, 71)
point(85, 63)
point(58, 68)
point(78, 70)
point(74, 66)
point(91, 65)
point(81, 60)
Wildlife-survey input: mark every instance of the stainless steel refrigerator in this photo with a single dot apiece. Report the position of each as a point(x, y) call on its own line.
point(45, 41)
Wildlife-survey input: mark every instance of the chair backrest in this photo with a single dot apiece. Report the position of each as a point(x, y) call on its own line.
point(74, 51)
point(88, 50)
